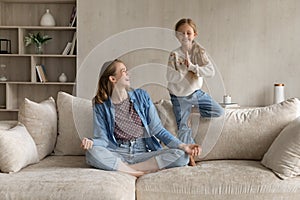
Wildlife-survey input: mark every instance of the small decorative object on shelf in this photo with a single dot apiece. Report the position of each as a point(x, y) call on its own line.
point(278, 92)
point(5, 46)
point(226, 99)
point(38, 40)
point(3, 76)
point(47, 19)
point(62, 78)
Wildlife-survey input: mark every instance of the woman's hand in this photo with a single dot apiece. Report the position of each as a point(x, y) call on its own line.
point(86, 144)
point(191, 149)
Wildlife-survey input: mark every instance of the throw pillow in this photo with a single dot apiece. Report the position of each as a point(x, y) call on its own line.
point(165, 112)
point(17, 149)
point(75, 121)
point(283, 157)
point(40, 119)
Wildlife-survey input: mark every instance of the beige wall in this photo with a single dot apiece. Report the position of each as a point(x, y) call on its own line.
point(254, 43)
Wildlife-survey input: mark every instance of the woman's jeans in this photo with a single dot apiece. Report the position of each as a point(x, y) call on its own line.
point(182, 107)
point(132, 152)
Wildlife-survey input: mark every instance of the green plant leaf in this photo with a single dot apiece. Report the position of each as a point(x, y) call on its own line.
point(37, 39)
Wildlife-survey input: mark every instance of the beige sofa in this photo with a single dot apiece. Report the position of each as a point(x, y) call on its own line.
point(251, 153)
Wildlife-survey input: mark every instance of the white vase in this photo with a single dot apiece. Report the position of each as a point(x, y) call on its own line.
point(62, 78)
point(47, 19)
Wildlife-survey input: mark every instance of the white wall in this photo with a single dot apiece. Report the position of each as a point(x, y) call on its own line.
point(254, 43)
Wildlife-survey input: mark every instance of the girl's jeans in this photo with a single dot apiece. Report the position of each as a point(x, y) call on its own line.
point(182, 107)
point(132, 152)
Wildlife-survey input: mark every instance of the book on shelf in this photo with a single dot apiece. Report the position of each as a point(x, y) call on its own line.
point(67, 48)
point(73, 17)
point(73, 43)
point(41, 73)
point(230, 105)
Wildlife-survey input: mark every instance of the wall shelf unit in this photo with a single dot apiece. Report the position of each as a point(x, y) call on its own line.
point(22, 78)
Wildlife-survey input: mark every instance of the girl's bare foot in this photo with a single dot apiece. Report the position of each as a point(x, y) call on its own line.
point(192, 161)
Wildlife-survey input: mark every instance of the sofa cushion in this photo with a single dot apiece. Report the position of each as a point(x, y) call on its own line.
point(17, 149)
point(223, 179)
point(243, 133)
point(40, 120)
point(66, 177)
point(248, 132)
point(283, 157)
point(75, 121)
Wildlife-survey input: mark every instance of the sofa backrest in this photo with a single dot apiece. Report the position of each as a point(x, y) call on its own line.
point(245, 133)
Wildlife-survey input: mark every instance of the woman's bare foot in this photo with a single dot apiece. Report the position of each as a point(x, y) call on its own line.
point(136, 173)
point(123, 167)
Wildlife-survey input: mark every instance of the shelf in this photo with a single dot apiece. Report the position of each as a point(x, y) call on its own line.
point(39, 55)
point(9, 110)
point(18, 18)
point(39, 27)
point(39, 83)
point(39, 1)
point(13, 55)
point(9, 27)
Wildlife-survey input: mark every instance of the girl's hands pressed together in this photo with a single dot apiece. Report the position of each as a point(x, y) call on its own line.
point(187, 60)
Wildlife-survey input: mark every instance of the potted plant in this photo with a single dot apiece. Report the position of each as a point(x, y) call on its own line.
point(38, 40)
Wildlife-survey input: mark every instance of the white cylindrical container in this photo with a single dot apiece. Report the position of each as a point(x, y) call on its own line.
point(47, 19)
point(227, 99)
point(278, 92)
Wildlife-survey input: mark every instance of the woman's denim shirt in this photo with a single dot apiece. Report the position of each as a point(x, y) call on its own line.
point(104, 123)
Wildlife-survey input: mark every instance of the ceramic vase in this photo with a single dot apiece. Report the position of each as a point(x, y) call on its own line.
point(62, 78)
point(47, 19)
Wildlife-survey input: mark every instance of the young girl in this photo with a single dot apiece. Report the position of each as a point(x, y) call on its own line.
point(126, 128)
point(188, 64)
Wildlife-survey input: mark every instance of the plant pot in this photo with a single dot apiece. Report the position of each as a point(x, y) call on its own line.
point(39, 49)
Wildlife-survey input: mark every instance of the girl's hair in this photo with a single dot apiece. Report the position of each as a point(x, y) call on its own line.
point(186, 21)
point(105, 86)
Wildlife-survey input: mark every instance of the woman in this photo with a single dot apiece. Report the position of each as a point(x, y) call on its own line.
point(127, 129)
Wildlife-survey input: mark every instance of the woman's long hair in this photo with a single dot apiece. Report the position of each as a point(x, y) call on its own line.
point(105, 86)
